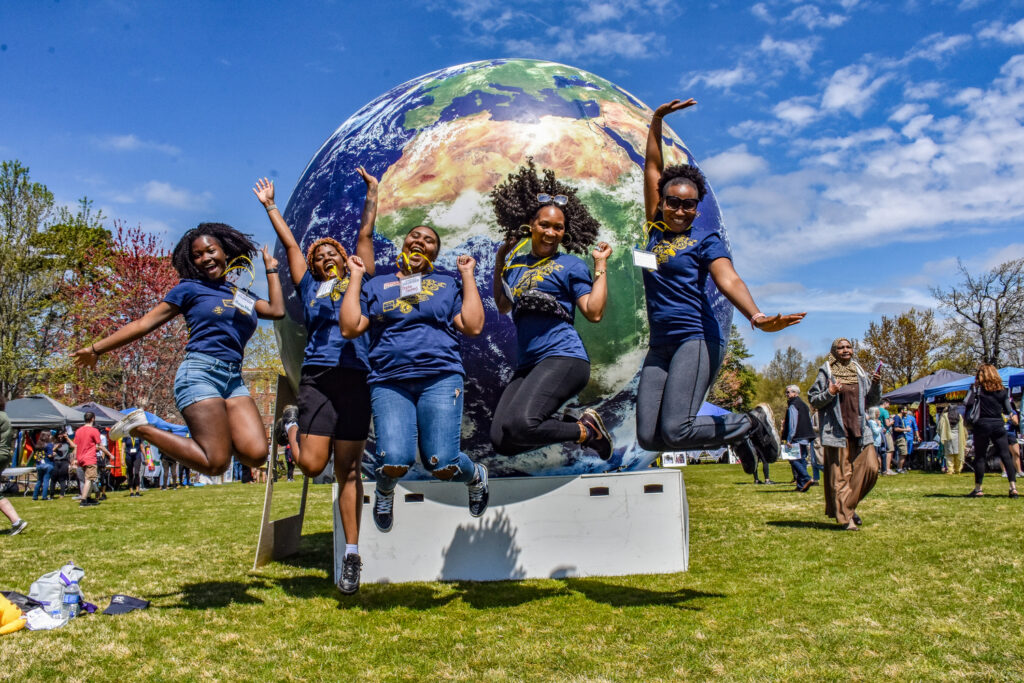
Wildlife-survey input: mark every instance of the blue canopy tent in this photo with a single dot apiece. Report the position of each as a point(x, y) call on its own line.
point(911, 393)
point(160, 423)
point(964, 384)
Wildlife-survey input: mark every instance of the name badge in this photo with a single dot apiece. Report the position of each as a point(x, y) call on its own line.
point(645, 259)
point(410, 286)
point(508, 290)
point(326, 288)
point(244, 302)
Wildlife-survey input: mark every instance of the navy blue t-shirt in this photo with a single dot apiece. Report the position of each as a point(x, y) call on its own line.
point(414, 337)
point(215, 326)
point(324, 343)
point(539, 336)
point(677, 309)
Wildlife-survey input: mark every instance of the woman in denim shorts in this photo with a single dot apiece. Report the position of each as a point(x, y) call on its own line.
point(416, 376)
point(208, 390)
point(334, 398)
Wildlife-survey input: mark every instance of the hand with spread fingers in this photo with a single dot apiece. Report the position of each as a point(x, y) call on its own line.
point(774, 323)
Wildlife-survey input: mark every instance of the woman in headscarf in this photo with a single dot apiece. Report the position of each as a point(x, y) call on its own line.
point(953, 436)
point(841, 393)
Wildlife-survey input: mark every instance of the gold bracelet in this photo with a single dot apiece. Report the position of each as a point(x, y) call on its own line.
point(598, 273)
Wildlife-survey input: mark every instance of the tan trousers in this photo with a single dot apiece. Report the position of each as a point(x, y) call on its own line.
point(848, 479)
point(954, 462)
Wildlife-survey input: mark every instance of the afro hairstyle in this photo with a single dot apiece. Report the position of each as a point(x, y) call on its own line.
point(683, 172)
point(313, 248)
point(515, 204)
point(233, 242)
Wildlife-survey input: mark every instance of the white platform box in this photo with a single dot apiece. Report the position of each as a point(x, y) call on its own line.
point(535, 527)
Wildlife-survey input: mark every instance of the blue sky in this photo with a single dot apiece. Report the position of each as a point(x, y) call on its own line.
point(857, 147)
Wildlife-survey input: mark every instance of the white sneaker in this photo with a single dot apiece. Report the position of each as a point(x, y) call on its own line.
point(123, 428)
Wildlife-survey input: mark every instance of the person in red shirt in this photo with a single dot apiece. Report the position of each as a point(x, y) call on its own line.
point(87, 441)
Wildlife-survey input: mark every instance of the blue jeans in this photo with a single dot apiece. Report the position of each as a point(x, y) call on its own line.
point(800, 465)
point(43, 469)
point(425, 412)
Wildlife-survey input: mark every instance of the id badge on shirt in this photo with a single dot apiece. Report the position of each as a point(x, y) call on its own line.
point(645, 259)
point(244, 301)
point(507, 290)
point(326, 288)
point(410, 286)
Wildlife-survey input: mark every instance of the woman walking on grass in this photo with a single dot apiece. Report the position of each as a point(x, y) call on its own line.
point(987, 402)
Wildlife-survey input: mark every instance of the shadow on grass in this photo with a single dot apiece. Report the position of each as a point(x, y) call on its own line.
point(803, 524)
point(597, 590)
point(952, 495)
point(207, 594)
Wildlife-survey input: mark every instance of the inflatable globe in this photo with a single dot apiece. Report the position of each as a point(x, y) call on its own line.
point(439, 144)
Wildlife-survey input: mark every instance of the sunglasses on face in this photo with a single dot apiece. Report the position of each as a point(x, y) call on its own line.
point(557, 200)
point(676, 203)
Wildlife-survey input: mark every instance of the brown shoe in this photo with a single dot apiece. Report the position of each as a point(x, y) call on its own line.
point(598, 439)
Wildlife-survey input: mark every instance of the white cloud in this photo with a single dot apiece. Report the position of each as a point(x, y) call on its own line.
point(852, 88)
point(598, 12)
point(760, 10)
point(928, 90)
point(159, 192)
point(907, 111)
point(601, 43)
point(721, 78)
point(1000, 32)
point(812, 17)
point(937, 47)
point(797, 111)
point(732, 164)
point(132, 143)
point(799, 52)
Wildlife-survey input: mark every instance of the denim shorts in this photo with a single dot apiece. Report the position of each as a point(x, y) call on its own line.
point(200, 377)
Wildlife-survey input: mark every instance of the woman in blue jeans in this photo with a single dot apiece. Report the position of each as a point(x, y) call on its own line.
point(687, 345)
point(44, 464)
point(416, 376)
point(208, 388)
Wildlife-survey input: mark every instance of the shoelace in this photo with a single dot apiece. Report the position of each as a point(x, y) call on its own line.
point(476, 491)
point(350, 567)
point(384, 503)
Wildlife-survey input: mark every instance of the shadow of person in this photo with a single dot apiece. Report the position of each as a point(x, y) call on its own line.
point(207, 594)
point(804, 524)
point(947, 495)
point(485, 552)
point(600, 590)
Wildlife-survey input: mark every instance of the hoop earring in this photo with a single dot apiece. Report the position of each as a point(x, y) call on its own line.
point(525, 227)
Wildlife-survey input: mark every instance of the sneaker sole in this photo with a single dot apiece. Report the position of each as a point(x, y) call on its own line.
point(605, 434)
point(773, 434)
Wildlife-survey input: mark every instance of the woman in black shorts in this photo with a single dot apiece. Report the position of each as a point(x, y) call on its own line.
point(334, 399)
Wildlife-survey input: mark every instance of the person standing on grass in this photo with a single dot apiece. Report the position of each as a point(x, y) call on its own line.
point(61, 462)
point(797, 431)
point(899, 434)
point(87, 444)
point(44, 464)
point(889, 444)
point(131, 449)
point(6, 457)
point(991, 400)
point(953, 434)
point(841, 394)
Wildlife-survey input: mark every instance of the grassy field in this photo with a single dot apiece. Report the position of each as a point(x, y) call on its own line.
point(932, 588)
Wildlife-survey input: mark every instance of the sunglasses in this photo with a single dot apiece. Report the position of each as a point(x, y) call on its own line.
point(675, 203)
point(557, 200)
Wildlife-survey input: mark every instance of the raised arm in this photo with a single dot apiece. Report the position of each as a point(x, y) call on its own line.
point(470, 320)
point(264, 190)
point(654, 162)
point(136, 329)
point(274, 308)
point(592, 305)
point(351, 319)
point(364, 242)
point(735, 290)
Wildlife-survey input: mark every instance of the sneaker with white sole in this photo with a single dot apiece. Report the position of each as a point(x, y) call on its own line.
point(19, 527)
point(479, 493)
point(124, 426)
point(764, 436)
point(351, 566)
point(383, 510)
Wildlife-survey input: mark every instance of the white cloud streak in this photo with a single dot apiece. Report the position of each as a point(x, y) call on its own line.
point(132, 143)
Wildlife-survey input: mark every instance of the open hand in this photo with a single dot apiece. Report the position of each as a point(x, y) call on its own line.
point(264, 190)
point(85, 357)
point(466, 264)
point(268, 259)
point(833, 387)
point(602, 251)
point(356, 267)
point(371, 182)
point(774, 323)
point(674, 105)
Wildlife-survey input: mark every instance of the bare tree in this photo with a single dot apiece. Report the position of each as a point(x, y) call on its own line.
point(987, 309)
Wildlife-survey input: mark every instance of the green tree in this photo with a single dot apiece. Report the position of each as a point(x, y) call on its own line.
point(735, 388)
point(787, 366)
point(906, 344)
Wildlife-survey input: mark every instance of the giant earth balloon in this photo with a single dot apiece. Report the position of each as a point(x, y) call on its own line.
point(439, 144)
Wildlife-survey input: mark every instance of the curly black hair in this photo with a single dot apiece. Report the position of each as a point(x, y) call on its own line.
point(680, 173)
point(233, 242)
point(515, 204)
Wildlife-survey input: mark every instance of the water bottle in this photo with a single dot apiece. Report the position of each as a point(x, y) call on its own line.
point(71, 601)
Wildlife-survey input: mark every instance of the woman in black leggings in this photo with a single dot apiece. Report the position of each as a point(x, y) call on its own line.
point(542, 288)
point(993, 401)
point(131, 446)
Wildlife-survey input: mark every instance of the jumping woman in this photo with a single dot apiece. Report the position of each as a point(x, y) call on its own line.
point(416, 374)
point(334, 398)
point(687, 345)
point(542, 288)
point(208, 389)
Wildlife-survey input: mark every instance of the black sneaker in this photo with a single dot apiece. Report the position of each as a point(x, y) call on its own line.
point(383, 510)
point(764, 437)
point(598, 438)
point(745, 452)
point(479, 493)
point(350, 568)
point(88, 503)
point(19, 527)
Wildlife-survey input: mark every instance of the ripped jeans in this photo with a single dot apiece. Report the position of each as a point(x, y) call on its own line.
point(422, 412)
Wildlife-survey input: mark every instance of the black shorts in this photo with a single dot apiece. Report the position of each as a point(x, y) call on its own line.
point(334, 402)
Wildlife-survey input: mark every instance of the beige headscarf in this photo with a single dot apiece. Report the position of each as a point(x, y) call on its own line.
point(843, 373)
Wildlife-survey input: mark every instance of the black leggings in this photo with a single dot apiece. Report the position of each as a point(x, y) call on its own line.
point(59, 475)
point(133, 464)
point(524, 419)
point(994, 432)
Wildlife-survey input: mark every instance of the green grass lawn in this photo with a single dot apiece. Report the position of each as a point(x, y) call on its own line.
point(932, 588)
